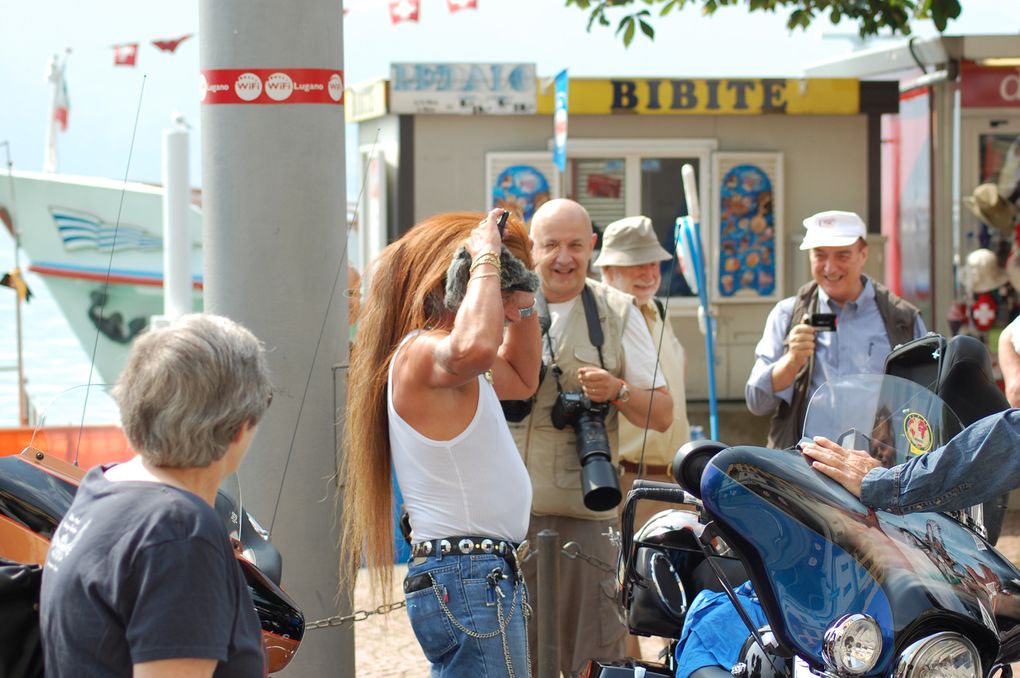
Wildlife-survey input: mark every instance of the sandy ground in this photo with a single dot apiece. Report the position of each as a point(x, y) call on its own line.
point(385, 646)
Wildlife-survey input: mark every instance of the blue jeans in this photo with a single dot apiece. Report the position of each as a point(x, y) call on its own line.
point(464, 586)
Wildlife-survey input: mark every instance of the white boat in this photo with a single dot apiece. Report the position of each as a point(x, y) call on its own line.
point(98, 246)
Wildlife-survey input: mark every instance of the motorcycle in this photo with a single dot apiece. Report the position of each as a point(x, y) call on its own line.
point(846, 590)
point(36, 489)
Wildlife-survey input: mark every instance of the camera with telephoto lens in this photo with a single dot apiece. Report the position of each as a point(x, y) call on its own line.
point(600, 484)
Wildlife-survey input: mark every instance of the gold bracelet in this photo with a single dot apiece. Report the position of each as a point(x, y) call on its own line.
point(490, 258)
point(483, 275)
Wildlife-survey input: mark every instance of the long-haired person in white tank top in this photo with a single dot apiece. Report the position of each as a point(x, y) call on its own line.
point(447, 330)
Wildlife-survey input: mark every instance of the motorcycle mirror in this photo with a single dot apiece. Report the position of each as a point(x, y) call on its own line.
point(690, 462)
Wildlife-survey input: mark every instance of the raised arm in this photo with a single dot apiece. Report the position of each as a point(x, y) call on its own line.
point(452, 357)
point(519, 359)
point(760, 392)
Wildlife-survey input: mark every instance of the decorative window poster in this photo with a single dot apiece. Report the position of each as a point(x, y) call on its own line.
point(520, 182)
point(749, 233)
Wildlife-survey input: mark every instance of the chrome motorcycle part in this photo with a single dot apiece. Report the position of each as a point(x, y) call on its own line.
point(668, 587)
point(852, 644)
point(945, 654)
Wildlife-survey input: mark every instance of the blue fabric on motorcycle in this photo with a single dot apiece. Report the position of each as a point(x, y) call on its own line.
point(713, 631)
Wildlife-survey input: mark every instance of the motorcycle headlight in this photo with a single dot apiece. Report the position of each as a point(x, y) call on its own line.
point(945, 655)
point(852, 644)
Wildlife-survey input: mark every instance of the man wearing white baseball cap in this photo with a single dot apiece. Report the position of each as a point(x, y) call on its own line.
point(840, 323)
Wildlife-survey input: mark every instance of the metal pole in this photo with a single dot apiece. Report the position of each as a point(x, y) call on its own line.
point(176, 227)
point(547, 614)
point(22, 393)
point(274, 208)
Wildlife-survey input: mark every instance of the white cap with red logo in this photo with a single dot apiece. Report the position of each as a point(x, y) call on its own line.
point(833, 229)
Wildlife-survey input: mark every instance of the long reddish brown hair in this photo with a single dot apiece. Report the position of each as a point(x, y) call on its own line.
point(408, 283)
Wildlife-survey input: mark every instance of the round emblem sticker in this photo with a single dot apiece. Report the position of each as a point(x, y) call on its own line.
point(335, 87)
point(248, 87)
point(279, 86)
point(918, 433)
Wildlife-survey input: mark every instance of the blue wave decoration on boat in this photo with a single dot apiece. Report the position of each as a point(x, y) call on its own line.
point(81, 230)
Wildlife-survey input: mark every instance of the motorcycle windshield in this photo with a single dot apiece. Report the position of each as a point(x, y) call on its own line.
point(81, 426)
point(815, 553)
point(894, 419)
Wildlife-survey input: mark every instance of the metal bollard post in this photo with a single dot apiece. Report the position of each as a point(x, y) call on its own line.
point(547, 612)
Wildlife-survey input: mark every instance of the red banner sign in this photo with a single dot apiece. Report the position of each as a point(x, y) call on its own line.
point(986, 87)
point(272, 86)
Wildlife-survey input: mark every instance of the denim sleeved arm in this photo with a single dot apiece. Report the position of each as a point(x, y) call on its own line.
point(980, 463)
point(758, 393)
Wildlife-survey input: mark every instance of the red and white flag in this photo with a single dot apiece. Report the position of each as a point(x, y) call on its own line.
point(458, 5)
point(61, 109)
point(126, 54)
point(404, 10)
point(171, 44)
point(61, 102)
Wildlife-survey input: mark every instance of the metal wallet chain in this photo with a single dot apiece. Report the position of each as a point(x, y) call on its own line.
point(503, 623)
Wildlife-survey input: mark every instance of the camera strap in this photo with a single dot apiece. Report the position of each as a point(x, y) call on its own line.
point(591, 317)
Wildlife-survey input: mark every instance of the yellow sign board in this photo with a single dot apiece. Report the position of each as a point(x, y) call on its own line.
point(721, 96)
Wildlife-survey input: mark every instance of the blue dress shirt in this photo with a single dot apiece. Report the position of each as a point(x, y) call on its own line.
point(858, 346)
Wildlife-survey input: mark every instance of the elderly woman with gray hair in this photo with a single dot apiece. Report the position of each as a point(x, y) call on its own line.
point(141, 579)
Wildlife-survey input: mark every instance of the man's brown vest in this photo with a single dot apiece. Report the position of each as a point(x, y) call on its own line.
point(899, 318)
point(549, 453)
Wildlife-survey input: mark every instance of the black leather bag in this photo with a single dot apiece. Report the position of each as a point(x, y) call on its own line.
point(20, 638)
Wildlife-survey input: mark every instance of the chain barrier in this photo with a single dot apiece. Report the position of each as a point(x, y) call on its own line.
point(360, 615)
point(574, 551)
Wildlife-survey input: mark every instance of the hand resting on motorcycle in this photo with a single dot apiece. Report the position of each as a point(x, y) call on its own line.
point(980, 463)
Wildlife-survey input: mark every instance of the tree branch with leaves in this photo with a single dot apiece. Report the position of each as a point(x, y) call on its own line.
point(871, 16)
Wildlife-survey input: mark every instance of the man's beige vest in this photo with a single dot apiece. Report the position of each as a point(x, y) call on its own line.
point(660, 447)
point(549, 453)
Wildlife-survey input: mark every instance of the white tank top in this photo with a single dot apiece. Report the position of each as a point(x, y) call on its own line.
point(474, 484)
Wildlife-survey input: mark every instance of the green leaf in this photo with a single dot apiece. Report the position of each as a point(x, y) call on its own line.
point(671, 4)
point(628, 34)
point(647, 29)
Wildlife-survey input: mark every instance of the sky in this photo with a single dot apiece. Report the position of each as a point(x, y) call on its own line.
point(105, 98)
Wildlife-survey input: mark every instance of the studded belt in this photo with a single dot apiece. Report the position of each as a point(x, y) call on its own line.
point(465, 546)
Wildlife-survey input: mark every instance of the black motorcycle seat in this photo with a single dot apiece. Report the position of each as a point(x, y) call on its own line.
point(704, 577)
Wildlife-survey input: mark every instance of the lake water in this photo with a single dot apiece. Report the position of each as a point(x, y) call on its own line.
point(54, 360)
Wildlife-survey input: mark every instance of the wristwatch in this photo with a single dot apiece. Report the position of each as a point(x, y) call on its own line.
point(527, 311)
point(624, 394)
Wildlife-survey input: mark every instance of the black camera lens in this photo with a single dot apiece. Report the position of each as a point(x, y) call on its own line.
point(600, 484)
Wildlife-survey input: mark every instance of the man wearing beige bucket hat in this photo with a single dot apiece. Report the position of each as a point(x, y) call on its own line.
point(630, 260)
point(865, 321)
